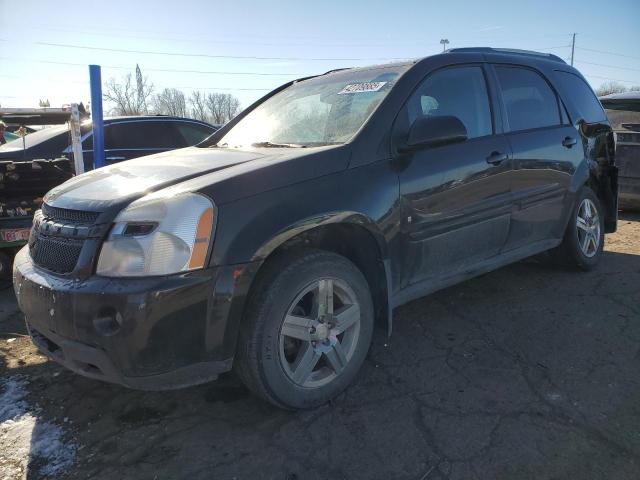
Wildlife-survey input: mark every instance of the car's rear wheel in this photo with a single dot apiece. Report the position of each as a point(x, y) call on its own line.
point(307, 329)
point(584, 238)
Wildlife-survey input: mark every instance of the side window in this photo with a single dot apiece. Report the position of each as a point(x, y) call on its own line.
point(193, 133)
point(142, 135)
point(457, 91)
point(582, 97)
point(528, 99)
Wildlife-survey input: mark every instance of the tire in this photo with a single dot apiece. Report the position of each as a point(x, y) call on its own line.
point(572, 250)
point(292, 351)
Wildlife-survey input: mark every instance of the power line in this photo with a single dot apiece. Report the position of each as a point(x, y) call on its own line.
point(287, 39)
point(212, 72)
point(205, 55)
point(218, 88)
point(86, 83)
point(225, 73)
point(608, 53)
point(609, 66)
point(203, 40)
point(614, 79)
point(552, 48)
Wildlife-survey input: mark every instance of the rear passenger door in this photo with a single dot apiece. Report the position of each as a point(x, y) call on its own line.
point(127, 140)
point(456, 199)
point(545, 152)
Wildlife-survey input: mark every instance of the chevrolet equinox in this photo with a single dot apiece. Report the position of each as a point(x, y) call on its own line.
point(273, 247)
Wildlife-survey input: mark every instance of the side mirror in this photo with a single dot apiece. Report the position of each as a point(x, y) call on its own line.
point(435, 131)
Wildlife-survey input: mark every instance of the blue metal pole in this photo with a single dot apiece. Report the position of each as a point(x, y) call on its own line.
point(95, 81)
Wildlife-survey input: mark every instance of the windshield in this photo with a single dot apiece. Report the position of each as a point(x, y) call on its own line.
point(324, 110)
point(35, 138)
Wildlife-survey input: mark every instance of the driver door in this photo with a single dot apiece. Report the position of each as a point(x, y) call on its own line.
point(456, 198)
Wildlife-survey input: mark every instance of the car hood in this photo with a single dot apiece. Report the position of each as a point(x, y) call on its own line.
point(235, 172)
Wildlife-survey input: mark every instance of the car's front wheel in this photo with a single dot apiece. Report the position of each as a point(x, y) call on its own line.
point(307, 329)
point(583, 241)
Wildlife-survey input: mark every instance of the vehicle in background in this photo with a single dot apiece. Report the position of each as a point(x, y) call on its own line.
point(124, 138)
point(9, 136)
point(274, 246)
point(31, 167)
point(623, 110)
point(13, 128)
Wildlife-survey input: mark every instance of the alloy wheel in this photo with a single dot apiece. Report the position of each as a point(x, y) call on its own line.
point(588, 228)
point(319, 333)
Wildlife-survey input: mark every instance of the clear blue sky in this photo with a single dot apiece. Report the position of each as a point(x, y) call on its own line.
point(291, 34)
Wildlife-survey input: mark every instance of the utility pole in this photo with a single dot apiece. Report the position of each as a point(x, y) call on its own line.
point(444, 42)
point(573, 47)
point(97, 122)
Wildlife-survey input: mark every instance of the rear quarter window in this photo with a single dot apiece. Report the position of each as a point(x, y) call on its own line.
point(193, 133)
point(579, 93)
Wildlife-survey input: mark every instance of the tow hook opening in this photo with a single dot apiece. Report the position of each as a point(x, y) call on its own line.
point(108, 321)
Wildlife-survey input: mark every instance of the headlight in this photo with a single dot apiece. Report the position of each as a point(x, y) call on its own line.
point(159, 235)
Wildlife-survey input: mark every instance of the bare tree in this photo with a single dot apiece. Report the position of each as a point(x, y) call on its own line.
point(610, 87)
point(232, 107)
point(222, 107)
point(198, 102)
point(170, 101)
point(140, 87)
point(129, 98)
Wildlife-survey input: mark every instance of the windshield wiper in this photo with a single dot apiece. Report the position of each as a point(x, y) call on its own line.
point(276, 145)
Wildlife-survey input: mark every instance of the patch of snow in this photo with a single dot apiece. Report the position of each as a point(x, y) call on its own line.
point(25, 437)
point(554, 396)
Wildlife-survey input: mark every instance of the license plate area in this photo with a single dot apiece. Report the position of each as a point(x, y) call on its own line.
point(14, 234)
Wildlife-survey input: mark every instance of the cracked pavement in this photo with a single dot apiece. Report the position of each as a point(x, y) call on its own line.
point(529, 372)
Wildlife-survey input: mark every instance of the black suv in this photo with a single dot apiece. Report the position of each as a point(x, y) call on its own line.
point(124, 138)
point(275, 245)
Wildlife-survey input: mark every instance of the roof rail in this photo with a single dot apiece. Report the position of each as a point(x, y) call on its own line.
point(337, 70)
point(515, 51)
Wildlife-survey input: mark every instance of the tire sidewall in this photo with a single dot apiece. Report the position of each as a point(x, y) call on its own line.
point(287, 286)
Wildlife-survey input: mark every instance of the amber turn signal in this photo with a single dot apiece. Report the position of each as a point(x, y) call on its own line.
point(203, 236)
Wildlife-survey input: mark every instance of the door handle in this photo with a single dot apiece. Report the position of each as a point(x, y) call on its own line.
point(115, 158)
point(569, 142)
point(496, 158)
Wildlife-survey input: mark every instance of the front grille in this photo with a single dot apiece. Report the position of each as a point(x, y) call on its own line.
point(65, 215)
point(57, 254)
point(57, 237)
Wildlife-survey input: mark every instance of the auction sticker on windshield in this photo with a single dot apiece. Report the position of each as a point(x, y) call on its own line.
point(362, 87)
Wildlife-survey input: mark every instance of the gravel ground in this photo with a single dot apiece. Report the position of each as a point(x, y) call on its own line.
point(530, 372)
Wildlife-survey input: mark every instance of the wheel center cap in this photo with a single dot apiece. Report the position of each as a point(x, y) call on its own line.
point(322, 331)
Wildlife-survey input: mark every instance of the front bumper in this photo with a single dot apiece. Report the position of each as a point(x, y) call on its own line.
point(151, 333)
